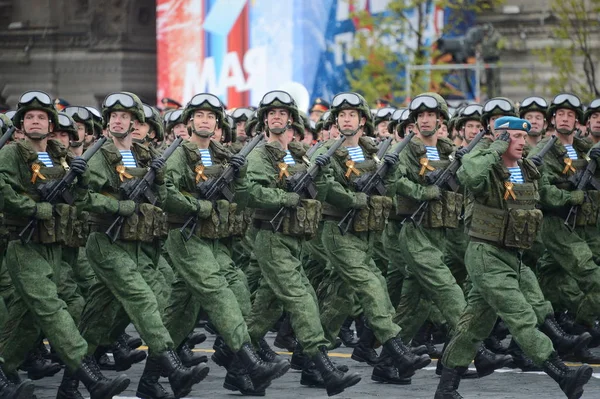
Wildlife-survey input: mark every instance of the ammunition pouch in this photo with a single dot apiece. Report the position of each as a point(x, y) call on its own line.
point(81, 231)
point(512, 228)
point(374, 216)
point(146, 224)
point(56, 230)
point(589, 211)
point(302, 221)
point(442, 213)
point(218, 224)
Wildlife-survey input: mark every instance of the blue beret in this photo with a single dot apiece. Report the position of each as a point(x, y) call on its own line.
point(512, 123)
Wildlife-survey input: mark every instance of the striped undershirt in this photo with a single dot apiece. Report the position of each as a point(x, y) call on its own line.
point(356, 154)
point(571, 151)
point(432, 153)
point(515, 175)
point(45, 159)
point(205, 155)
point(128, 159)
point(288, 159)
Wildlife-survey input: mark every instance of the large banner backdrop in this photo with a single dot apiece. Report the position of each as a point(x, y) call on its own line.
point(240, 49)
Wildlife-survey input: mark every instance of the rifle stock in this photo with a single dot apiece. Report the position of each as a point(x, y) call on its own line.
point(7, 135)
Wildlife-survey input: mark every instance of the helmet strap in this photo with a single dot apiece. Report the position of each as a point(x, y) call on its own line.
point(279, 130)
point(121, 135)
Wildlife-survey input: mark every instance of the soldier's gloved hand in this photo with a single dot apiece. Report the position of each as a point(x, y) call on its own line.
point(43, 211)
point(361, 200)
point(537, 160)
point(321, 160)
point(595, 153)
point(291, 200)
point(500, 145)
point(158, 163)
point(204, 209)
point(432, 192)
point(391, 158)
point(460, 152)
point(577, 197)
point(78, 165)
point(126, 208)
point(240, 165)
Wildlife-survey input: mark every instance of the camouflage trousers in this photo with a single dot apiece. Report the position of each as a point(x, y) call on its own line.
point(128, 290)
point(284, 286)
point(202, 284)
point(499, 290)
point(35, 307)
point(571, 257)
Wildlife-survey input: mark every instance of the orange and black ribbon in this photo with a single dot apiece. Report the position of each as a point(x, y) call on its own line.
point(568, 166)
point(509, 191)
point(123, 173)
point(35, 168)
point(200, 173)
point(425, 166)
point(283, 170)
point(351, 169)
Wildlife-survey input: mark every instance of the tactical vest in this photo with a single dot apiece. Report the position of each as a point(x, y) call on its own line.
point(149, 222)
point(301, 221)
point(375, 215)
point(514, 227)
point(442, 213)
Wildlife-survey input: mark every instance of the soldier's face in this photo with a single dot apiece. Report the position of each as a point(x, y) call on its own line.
point(537, 120)
point(517, 143)
point(565, 119)
point(218, 136)
point(491, 123)
point(61, 137)
point(80, 131)
point(471, 129)
point(204, 120)
point(334, 132)
point(442, 131)
point(121, 121)
point(36, 121)
point(315, 115)
point(349, 120)
point(382, 130)
point(593, 124)
point(427, 120)
point(18, 135)
point(240, 129)
point(180, 130)
point(277, 118)
point(141, 131)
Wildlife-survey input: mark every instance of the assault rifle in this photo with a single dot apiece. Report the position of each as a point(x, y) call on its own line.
point(6, 136)
point(370, 183)
point(137, 190)
point(313, 149)
point(547, 147)
point(303, 183)
point(444, 178)
point(586, 178)
point(57, 191)
point(213, 189)
point(383, 148)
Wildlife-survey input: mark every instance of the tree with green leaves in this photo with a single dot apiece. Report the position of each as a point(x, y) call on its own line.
point(573, 54)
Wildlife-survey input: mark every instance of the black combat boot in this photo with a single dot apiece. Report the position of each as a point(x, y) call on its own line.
point(286, 338)
point(98, 385)
point(238, 379)
point(16, 389)
point(335, 380)
point(365, 350)
point(486, 361)
point(132, 342)
point(405, 361)
point(424, 337)
point(299, 359)
point(223, 356)
point(38, 367)
point(584, 355)
point(346, 334)
point(149, 387)
point(267, 354)
point(189, 358)
point(467, 374)
point(124, 356)
point(449, 382)
point(195, 338)
point(181, 378)
point(311, 376)
point(260, 372)
point(102, 359)
point(385, 372)
point(563, 342)
point(520, 360)
point(570, 380)
point(69, 387)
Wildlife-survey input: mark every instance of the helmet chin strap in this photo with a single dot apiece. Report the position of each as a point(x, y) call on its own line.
point(204, 133)
point(348, 132)
point(122, 135)
point(428, 133)
point(278, 131)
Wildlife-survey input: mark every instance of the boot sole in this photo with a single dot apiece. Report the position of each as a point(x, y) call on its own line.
point(400, 381)
point(351, 380)
point(49, 373)
point(485, 372)
point(120, 384)
point(242, 391)
point(583, 375)
point(187, 388)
